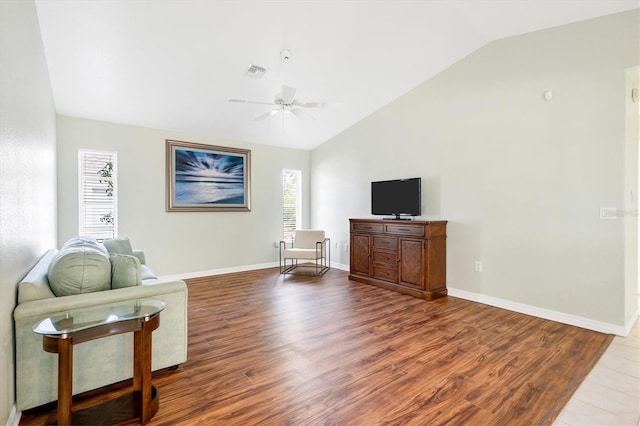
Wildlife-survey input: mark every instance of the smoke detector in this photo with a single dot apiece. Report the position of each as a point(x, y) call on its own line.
point(285, 55)
point(256, 71)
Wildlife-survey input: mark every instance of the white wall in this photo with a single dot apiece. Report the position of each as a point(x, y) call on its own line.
point(519, 179)
point(27, 169)
point(177, 242)
point(630, 212)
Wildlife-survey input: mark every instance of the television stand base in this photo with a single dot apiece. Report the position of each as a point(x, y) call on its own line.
point(397, 218)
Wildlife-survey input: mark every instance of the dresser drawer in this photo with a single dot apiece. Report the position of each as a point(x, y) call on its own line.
point(389, 243)
point(385, 257)
point(408, 229)
point(385, 273)
point(367, 227)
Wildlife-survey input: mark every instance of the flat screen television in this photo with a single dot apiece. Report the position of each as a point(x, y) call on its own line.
point(400, 197)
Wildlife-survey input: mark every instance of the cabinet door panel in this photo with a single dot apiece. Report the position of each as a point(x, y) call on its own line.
point(412, 263)
point(360, 254)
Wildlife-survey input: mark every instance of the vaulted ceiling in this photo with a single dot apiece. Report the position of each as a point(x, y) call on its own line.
point(174, 65)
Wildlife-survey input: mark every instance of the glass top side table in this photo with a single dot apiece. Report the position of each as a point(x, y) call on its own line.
point(61, 331)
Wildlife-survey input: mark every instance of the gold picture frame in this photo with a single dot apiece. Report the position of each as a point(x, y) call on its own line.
point(207, 178)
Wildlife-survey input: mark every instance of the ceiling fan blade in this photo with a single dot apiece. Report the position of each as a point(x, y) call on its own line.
point(288, 93)
point(247, 101)
point(266, 115)
point(299, 113)
point(320, 104)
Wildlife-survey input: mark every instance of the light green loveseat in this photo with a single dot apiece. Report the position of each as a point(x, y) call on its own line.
point(99, 362)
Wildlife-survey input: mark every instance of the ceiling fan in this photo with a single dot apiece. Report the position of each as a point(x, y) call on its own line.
point(285, 102)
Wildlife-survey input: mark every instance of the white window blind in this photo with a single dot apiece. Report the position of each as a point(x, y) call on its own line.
point(97, 194)
point(291, 202)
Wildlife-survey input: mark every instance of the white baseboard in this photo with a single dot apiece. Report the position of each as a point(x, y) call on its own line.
point(340, 266)
point(631, 322)
point(14, 417)
point(564, 318)
point(211, 272)
point(220, 271)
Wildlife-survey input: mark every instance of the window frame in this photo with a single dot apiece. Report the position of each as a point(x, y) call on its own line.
point(85, 227)
point(287, 174)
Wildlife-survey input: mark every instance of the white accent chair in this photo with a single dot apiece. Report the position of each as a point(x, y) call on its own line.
point(310, 246)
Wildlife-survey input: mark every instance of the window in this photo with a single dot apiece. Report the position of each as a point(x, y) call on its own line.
point(291, 202)
point(97, 194)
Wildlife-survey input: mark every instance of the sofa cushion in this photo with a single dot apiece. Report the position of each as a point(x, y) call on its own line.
point(81, 266)
point(119, 246)
point(125, 271)
point(147, 273)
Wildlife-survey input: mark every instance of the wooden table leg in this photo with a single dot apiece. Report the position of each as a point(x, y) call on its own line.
point(146, 375)
point(65, 380)
point(142, 370)
point(137, 356)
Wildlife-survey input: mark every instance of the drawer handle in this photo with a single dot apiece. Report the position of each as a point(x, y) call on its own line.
point(404, 229)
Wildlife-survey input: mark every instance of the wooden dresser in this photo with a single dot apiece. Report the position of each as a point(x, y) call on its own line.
point(409, 257)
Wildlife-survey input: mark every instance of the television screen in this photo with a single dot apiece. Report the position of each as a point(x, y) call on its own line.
point(396, 197)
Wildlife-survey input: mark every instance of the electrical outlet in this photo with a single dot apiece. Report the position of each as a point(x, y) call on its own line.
point(345, 247)
point(478, 266)
point(276, 244)
point(608, 213)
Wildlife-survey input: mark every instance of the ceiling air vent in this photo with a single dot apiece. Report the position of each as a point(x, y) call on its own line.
point(256, 71)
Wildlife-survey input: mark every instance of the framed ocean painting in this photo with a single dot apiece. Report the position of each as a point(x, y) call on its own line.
point(207, 178)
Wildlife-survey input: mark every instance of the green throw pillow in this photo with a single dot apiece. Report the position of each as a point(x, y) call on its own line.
point(81, 266)
point(125, 271)
point(119, 246)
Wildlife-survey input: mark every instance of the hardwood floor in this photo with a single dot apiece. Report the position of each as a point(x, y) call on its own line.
point(301, 350)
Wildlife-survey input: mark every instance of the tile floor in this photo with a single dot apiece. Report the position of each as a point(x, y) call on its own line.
point(610, 395)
